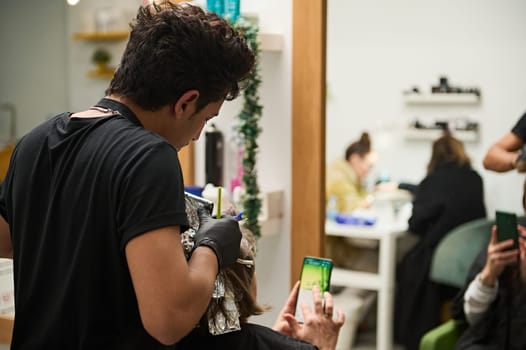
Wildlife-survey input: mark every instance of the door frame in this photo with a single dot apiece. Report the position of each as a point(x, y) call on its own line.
point(308, 131)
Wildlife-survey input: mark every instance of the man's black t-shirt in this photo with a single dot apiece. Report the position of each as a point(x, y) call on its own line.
point(77, 190)
point(519, 129)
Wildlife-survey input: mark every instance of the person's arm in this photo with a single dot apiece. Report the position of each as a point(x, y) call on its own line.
point(478, 298)
point(6, 249)
point(410, 187)
point(172, 294)
point(502, 155)
point(319, 327)
point(482, 291)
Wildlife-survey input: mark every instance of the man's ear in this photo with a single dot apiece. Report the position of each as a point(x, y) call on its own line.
point(186, 105)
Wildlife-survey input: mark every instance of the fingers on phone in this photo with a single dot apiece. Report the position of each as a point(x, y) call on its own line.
point(494, 238)
point(329, 305)
point(318, 302)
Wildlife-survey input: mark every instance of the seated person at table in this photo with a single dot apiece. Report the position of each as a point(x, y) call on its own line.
point(346, 177)
point(225, 324)
point(451, 194)
point(345, 182)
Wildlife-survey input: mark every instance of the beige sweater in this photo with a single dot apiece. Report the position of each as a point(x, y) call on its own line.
point(342, 182)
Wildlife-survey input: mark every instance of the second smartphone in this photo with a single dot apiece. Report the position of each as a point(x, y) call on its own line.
point(314, 271)
point(507, 227)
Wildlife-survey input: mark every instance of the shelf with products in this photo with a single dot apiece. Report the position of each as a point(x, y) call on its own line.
point(442, 99)
point(268, 41)
point(463, 128)
point(415, 134)
point(272, 42)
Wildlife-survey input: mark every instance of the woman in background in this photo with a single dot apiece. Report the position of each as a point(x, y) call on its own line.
point(346, 177)
point(451, 194)
point(345, 183)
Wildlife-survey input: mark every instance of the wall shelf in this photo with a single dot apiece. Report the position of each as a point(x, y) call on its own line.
point(113, 35)
point(442, 99)
point(433, 134)
point(271, 216)
point(270, 41)
point(103, 74)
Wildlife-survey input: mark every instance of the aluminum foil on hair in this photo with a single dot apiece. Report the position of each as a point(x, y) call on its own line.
point(229, 321)
point(219, 323)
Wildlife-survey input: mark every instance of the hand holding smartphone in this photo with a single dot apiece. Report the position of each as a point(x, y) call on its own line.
point(315, 271)
point(507, 227)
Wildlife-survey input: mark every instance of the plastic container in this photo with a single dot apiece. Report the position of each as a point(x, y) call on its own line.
point(231, 10)
point(347, 219)
point(217, 6)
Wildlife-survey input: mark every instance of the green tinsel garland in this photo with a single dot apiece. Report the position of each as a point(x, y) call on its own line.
point(249, 130)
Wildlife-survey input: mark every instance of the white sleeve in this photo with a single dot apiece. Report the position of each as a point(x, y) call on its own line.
point(478, 298)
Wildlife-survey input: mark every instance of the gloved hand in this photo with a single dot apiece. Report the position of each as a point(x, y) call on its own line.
point(223, 236)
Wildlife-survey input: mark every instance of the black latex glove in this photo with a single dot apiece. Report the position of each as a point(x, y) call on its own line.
point(223, 236)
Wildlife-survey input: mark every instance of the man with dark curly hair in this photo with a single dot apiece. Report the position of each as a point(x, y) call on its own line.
point(93, 202)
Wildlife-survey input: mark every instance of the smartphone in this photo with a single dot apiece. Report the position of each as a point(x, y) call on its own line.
point(507, 227)
point(314, 271)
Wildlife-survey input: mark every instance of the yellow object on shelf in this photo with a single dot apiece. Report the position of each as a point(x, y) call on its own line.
point(114, 35)
point(98, 73)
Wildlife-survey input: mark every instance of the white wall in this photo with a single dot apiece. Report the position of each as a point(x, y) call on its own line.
point(32, 75)
point(85, 91)
point(378, 49)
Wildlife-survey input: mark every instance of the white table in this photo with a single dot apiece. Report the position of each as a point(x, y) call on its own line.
point(383, 282)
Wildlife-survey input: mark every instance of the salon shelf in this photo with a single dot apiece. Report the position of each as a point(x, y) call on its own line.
point(105, 74)
point(113, 35)
point(271, 216)
point(270, 41)
point(442, 99)
point(433, 134)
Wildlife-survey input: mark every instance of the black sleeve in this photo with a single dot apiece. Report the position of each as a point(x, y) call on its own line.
point(520, 128)
point(3, 211)
point(151, 194)
point(408, 187)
